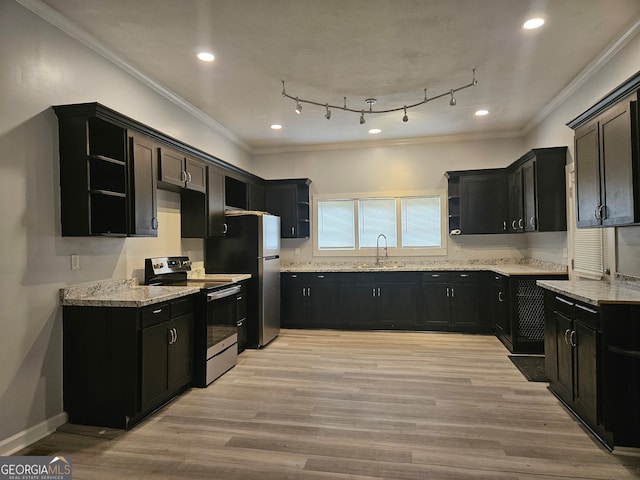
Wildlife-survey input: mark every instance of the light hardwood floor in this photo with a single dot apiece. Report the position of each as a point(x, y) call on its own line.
point(319, 405)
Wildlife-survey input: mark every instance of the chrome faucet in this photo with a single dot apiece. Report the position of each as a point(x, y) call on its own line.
point(386, 252)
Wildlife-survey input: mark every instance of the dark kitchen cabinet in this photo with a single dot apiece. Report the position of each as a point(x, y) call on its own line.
point(289, 199)
point(379, 300)
point(121, 363)
point(203, 216)
point(166, 351)
point(607, 151)
point(452, 301)
point(107, 175)
point(177, 170)
point(477, 202)
point(143, 208)
point(255, 197)
point(537, 200)
point(499, 304)
point(309, 300)
point(573, 356)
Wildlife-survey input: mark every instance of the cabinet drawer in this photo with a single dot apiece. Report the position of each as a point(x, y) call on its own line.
point(241, 305)
point(564, 306)
point(588, 315)
point(464, 276)
point(181, 306)
point(437, 277)
point(154, 314)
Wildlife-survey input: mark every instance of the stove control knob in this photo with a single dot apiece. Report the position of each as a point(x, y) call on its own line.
point(158, 265)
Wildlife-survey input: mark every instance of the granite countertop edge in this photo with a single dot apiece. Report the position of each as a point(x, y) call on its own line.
point(594, 292)
point(128, 293)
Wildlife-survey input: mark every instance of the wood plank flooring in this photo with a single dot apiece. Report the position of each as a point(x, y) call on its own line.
point(321, 405)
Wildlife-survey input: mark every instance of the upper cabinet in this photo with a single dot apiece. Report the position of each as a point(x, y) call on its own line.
point(607, 153)
point(177, 170)
point(289, 199)
point(527, 196)
point(107, 174)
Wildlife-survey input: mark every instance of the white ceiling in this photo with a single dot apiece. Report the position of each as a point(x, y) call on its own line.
point(327, 49)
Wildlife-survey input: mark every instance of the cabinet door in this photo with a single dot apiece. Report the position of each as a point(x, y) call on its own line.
point(155, 361)
point(357, 301)
point(482, 204)
point(256, 197)
point(617, 166)
point(499, 305)
point(282, 200)
point(171, 167)
point(465, 304)
point(564, 352)
point(585, 368)
point(587, 164)
point(142, 193)
point(530, 213)
point(437, 308)
point(293, 300)
point(397, 304)
point(215, 201)
point(180, 352)
point(196, 175)
point(516, 220)
point(321, 304)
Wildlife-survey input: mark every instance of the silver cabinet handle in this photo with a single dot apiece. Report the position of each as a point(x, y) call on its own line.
point(294, 276)
point(378, 291)
point(293, 230)
point(532, 221)
point(513, 225)
point(567, 332)
point(603, 212)
point(373, 292)
point(521, 223)
point(464, 275)
point(320, 276)
point(500, 297)
point(225, 227)
point(308, 291)
point(567, 302)
point(586, 309)
point(304, 292)
point(572, 338)
point(188, 177)
point(504, 226)
point(155, 312)
point(154, 223)
point(598, 212)
point(183, 176)
point(453, 292)
point(448, 292)
point(176, 332)
point(435, 275)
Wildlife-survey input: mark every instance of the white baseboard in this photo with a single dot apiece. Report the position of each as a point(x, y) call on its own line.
point(31, 435)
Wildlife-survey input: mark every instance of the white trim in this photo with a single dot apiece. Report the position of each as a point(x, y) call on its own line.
point(23, 439)
point(588, 72)
point(63, 23)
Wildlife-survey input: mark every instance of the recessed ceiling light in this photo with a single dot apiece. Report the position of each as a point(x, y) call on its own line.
point(482, 112)
point(374, 131)
point(533, 23)
point(206, 56)
point(275, 126)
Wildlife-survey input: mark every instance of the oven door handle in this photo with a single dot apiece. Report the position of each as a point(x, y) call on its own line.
point(218, 294)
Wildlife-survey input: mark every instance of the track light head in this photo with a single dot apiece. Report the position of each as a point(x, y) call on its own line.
point(405, 118)
point(452, 102)
point(328, 114)
point(298, 107)
point(362, 120)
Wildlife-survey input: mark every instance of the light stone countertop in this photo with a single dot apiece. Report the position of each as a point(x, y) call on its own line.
point(127, 293)
point(594, 292)
point(504, 267)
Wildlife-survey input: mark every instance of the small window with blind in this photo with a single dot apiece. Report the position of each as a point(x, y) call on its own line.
point(412, 223)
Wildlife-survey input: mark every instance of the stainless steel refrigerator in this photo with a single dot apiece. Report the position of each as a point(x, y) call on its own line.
point(252, 245)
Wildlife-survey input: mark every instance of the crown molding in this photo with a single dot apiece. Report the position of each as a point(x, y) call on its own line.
point(73, 30)
point(589, 71)
point(466, 137)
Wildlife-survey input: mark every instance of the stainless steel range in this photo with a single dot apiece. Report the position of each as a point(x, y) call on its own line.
point(218, 312)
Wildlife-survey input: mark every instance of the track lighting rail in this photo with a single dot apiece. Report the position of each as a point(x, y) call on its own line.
point(371, 101)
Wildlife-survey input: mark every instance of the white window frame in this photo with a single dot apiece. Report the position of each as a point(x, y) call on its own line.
point(392, 251)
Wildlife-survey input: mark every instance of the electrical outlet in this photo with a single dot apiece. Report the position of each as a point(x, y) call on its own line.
point(75, 262)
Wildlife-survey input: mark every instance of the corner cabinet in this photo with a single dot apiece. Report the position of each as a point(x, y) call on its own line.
point(607, 156)
point(289, 199)
point(526, 196)
point(107, 175)
point(121, 363)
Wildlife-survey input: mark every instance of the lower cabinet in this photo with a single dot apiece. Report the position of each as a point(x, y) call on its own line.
point(573, 359)
point(122, 363)
point(309, 300)
point(451, 301)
